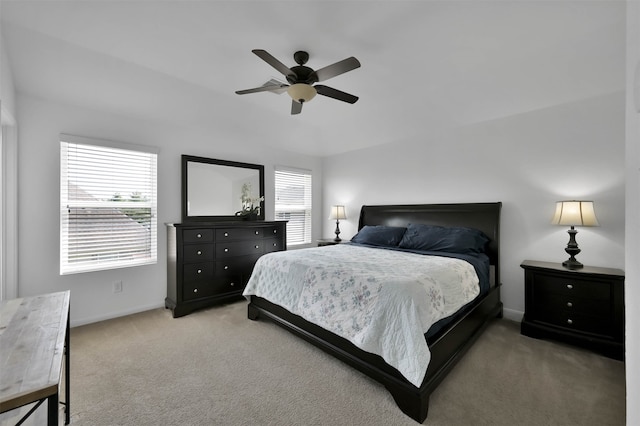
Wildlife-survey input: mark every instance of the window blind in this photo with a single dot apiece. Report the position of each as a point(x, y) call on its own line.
point(293, 203)
point(108, 207)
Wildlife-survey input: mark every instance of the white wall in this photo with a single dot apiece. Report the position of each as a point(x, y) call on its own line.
point(632, 287)
point(7, 90)
point(8, 177)
point(528, 161)
point(144, 287)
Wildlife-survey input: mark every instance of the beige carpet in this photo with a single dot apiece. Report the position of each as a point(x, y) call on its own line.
point(216, 367)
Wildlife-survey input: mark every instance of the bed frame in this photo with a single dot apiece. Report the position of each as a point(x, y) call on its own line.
point(449, 344)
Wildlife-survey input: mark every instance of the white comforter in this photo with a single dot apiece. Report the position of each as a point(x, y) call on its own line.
point(382, 301)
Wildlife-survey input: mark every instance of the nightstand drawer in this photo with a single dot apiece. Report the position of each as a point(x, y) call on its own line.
point(572, 286)
point(546, 301)
point(575, 322)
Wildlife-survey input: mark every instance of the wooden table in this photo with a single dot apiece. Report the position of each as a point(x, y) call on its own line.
point(34, 333)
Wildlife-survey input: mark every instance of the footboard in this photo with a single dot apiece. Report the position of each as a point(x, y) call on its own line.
point(446, 350)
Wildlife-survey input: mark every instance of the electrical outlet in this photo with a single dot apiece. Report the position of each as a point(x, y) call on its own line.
point(117, 286)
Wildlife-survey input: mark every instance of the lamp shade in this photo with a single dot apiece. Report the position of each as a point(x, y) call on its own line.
point(575, 213)
point(301, 92)
point(337, 213)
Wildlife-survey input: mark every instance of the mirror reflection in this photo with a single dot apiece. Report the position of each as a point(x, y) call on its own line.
point(219, 189)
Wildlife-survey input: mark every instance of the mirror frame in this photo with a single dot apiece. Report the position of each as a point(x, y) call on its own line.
point(216, 218)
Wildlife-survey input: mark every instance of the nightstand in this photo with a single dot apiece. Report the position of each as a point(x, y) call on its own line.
point(583, 307)
point(328, 242)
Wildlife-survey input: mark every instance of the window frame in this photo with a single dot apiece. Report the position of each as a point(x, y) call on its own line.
point(306, 208)
point(149, 203)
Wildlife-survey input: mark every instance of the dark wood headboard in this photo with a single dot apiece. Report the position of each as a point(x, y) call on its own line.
point(482, 216)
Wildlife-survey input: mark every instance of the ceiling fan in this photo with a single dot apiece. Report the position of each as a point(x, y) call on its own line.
point(301, 79)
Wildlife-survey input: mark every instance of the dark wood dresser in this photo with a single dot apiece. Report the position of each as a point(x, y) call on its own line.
point(209, 263)
point(583, 307)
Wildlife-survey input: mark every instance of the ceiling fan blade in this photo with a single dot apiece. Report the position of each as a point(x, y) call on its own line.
point(338, 68)
point(268, 88)
point(335, 94)
point(296, 107)
point(271, 60)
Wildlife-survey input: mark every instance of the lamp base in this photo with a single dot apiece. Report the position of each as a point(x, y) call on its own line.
point(337, 239)
point(572, 263)
point(572, 250)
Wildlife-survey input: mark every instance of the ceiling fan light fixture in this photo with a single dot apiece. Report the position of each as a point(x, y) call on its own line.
point(301, 92)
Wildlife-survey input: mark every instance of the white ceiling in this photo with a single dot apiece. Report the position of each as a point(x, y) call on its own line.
point(427, 66)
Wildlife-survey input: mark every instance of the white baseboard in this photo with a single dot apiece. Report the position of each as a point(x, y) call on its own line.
point(112, 315)
point(512, 314)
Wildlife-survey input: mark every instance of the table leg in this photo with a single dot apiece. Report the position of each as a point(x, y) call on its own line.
point(67, 372)
point(52, 410)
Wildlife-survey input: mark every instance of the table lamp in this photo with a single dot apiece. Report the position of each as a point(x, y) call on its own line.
point(574, 213)
point(337, 213)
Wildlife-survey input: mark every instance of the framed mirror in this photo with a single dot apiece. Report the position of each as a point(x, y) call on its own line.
point(215, 190)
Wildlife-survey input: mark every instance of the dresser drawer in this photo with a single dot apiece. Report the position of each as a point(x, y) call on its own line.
point(228, 284)
point(198, 272)
point(231, 234)
point(239, 248)
point(272, 231)
point(236, 265)
point(273, 244)
point(197, 235)
point(198, 252)
point(572, 286)
point(197, 289)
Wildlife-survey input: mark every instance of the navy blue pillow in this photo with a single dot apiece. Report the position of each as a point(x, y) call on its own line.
point(379, 235)
point(453, 239)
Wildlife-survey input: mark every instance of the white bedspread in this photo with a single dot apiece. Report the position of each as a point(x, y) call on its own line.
point(382, 301)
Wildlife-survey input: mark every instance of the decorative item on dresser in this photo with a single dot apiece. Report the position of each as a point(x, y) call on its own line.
point(209, 263)
point(583, 307)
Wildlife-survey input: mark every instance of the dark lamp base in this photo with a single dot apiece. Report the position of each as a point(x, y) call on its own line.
point(572, 263)
point(572, 250)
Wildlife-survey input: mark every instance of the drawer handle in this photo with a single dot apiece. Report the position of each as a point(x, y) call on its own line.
point(257, 246)
point(226, 234)
point(199, 235)
point(195, 290)
point(226, 250)
point(569, 305)
point(275, 231)
point(226, 267)
point(569, 286)
point(275, 244)
point(232, 284)
point(569, 321)
point(199, 271)
point(257, 232)
point(199, 253)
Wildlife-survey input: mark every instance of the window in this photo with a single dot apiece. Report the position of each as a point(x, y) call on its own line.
point(107, 205)
point(293, 203)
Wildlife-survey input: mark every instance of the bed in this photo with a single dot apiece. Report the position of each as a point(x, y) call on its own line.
point(447, 340)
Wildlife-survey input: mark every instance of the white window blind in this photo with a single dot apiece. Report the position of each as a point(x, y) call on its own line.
point(108, 207)
point(293, 203)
